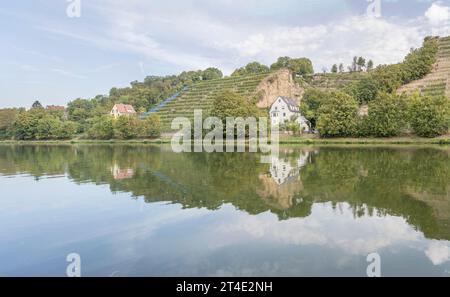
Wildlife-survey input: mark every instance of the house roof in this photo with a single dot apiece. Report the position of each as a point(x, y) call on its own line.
point(55, 107)
point(125, 108)
point(289, 101)
point(292, 104)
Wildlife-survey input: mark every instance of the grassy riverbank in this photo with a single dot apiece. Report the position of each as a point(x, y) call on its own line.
point(308, 140)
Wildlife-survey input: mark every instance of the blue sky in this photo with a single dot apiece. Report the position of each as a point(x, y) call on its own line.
point(47, 56)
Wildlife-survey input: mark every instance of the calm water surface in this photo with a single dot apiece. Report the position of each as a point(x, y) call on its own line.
point(145, 211)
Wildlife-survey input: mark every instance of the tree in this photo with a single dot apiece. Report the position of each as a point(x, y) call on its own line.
point(388, 77)
point(7, 118)
point(429, 116)
point(341, 68)
point(366, 90)
point(152, 126)
point(230, 104)
point(25, 127)
point(36, 105)
point(127, 127)
point(102, 128)
point(80, 110)
point(39, 124)
point(354, 66)
point(419, 62)
point(361, 63)
point(338, 116)
point(370, 65)
point(334, 69)
point(251, 68)
point(47, 128)
point(212, 73)
point(312, 100)
point(299, 66)
point(387, 115)
point(66, 130)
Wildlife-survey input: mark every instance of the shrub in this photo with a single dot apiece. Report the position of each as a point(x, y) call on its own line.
point(66, 130)
point(366, 90)
point(429, 116)
point(387, 116)
point(127, 127)
point(152, 126)
point(338, 116)
point(230, 104)
point(47, 128)
point(312, 100)
point(102, 128)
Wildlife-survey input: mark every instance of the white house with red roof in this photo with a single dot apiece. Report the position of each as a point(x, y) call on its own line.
point(119, 110)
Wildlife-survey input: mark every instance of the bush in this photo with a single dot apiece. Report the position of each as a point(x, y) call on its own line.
point(312, 100)
point(7, 118)
point(429, 116)
point(152, 127)
point(66, 130)
point(102, 128)
point(338, 116)
point(366, 90)
point(230, 104)
point(127, 127)
point(387, 116)
point(47, 128)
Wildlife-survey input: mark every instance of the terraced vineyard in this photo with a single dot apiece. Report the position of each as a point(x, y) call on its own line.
point(437, 82)
point(201, 96)
point(333, 81)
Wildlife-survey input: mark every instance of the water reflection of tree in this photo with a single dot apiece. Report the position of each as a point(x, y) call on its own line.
point(412, 183)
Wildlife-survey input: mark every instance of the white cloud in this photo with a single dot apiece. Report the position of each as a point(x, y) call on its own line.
point(438, 14)
point(377, 39)
point(197, 36)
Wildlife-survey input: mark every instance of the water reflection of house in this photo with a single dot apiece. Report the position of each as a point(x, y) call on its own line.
point(119, 173)
point(282, 184)
point(283, 171)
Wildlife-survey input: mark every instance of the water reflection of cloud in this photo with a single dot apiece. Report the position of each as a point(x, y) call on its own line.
point(325, 227)
point(438, 252)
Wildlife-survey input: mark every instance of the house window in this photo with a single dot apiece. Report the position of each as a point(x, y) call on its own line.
point(284, 114)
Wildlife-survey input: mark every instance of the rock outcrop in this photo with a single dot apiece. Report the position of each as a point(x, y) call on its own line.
point(280, 83)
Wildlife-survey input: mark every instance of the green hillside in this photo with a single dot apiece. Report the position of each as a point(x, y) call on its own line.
point(334, 81)
point(436, 82)
point(201, 96)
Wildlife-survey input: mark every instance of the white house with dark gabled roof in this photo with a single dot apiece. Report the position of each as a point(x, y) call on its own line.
point(284, 110)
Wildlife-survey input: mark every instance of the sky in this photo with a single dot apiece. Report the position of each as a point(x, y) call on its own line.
point(56, 50)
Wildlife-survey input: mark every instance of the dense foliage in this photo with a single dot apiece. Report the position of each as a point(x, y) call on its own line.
point(126, 127)
point(39, 124)
point(230, 104)
point(338, 116)
point(251, 68)
point(299, 66)
point(311, 102)
point(387, 116)
point(7, 118)
point(430, 116)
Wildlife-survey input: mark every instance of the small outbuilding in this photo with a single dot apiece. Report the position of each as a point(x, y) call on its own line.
point(119, 110)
